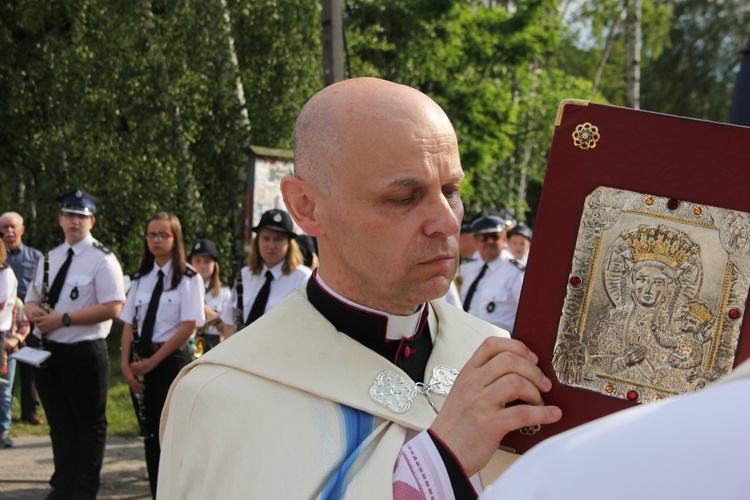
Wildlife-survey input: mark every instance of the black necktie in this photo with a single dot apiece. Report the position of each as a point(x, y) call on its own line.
point(57, 284)
point(259, 306)
point(473, 288)
point(147, 330)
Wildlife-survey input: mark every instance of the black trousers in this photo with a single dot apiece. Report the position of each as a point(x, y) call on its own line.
point(157, 385)
point(29, 398)
point(73, 389)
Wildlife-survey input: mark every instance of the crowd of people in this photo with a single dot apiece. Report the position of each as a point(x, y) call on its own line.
point(351, 376)
point(73, 293)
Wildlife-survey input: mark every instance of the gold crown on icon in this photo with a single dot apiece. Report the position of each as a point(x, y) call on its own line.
point(700, 311)
point(660, 243)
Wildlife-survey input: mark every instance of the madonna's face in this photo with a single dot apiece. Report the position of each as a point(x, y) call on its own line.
point(650, 285)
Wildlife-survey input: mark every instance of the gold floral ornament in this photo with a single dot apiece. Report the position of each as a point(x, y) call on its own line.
point(586, 136)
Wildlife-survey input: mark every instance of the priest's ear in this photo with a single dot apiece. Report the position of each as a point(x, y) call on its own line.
point(301, 198)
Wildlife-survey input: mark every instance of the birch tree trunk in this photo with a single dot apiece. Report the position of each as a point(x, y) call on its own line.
point(239, 88)
point(611, 37)
point(633, 54)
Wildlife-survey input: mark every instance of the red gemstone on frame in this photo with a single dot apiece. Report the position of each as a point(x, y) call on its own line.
point(673, 204)
point(633, 395)
point(734, 313)
point(576, 281)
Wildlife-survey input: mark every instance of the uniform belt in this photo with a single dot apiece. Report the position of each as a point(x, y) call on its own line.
point(69, 345)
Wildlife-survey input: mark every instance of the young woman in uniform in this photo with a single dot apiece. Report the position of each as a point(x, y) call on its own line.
point(205, 259)
point(163, 308)
point(274, 268)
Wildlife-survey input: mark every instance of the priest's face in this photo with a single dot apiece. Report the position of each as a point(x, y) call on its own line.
point(392, 217)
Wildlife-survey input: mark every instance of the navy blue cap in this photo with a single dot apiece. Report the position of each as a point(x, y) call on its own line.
point(508, 216)
point(521, 229)
point(488, 224)
point(78, 202)
point(204, 247)
point(468, 222)
point(277, 220)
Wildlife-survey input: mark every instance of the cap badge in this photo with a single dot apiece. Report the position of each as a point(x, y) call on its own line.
point(277, 218)
point(78, 193)
point(197, 246)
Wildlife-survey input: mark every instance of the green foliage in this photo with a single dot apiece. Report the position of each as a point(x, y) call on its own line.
point(137, 103)
point(696, 72)
point(487, 66)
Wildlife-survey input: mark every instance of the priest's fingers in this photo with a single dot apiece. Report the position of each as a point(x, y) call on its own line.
point(492, 346)
point(472, 424)
point(524, 415)
point(474, 417)
point(506, 363)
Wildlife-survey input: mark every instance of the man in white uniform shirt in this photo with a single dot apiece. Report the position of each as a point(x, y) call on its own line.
point(491, 285)
point(85, 293)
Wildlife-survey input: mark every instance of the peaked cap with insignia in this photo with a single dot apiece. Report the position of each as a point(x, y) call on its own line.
point(277, 220)
point(204, 247)
point(78, 201)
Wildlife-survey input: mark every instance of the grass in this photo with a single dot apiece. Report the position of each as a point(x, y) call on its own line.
point(120, 412)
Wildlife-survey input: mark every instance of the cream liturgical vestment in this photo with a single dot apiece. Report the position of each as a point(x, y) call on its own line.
point(283, 409)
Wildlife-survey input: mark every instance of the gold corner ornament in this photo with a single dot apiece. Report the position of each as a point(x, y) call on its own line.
point(568, 102)
point(586, 136)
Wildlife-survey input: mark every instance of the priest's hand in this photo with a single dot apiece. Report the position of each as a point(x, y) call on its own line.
point(475, 416)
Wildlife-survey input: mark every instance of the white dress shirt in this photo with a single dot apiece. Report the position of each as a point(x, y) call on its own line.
point(176, 305)
point(94, 277)
point(281, 285)
point(498, 292)
point(8, 286)
point(216, 303)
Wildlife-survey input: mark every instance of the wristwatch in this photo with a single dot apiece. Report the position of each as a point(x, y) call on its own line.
point(66, 320)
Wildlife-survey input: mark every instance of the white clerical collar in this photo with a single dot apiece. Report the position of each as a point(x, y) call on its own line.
point(398, 326)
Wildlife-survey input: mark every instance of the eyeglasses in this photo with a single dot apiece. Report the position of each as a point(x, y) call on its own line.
point(489, 237)
point(158, 236)
point(71, 215)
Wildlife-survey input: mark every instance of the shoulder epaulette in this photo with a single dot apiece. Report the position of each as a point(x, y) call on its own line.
point(134, 276)
point(101, 247)
point(190, 271)
point(520, 266)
